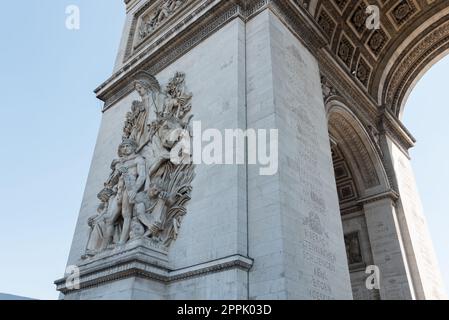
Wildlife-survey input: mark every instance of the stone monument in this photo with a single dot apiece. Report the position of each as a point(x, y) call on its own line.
point(155, 225)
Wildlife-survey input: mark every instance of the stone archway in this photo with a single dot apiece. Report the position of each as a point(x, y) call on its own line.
point(356, 174)
point(285, 238)
point(376, 71)
point(366, 202)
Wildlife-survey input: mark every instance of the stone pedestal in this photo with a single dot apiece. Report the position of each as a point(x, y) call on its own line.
point(126, 272)
point(141, 270)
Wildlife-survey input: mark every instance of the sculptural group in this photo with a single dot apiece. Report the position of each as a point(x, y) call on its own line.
point(146, 192)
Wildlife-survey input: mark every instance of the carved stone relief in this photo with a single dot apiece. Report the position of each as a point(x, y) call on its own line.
point(156, 17)
point(353, 249)
point(327, 89)
point(146, 193)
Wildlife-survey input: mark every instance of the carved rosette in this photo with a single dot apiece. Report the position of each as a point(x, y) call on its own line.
point(146, 194)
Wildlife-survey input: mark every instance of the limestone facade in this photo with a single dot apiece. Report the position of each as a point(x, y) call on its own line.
point(344, 197)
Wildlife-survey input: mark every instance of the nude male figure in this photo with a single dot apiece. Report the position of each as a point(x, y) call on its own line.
point(131, 177)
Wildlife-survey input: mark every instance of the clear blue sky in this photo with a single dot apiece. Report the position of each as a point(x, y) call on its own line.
point(50, 119)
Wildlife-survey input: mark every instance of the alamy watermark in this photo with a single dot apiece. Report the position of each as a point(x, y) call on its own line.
point(231, 147)
point(373, 20)
point(373, 280)
point(73, 17)
point(72, 281)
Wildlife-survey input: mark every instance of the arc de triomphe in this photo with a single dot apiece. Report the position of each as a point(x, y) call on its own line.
point(343, 200)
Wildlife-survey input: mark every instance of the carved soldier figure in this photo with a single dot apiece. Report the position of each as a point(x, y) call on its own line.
point(161, 200)
point(175, 4)
point(177, 101)
point(165, 11)
point(145, 111)
point(151, 207)
point(98, 223)
point(148, 25)
point(132, 176)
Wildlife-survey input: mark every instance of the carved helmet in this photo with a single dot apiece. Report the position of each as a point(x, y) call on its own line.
point(130, 142)
point(147, 80)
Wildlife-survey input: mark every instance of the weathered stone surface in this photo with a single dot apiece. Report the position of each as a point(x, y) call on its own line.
point(226, 232)
point(294, 220)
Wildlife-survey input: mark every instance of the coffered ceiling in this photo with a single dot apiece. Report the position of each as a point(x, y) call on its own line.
point(388, 61)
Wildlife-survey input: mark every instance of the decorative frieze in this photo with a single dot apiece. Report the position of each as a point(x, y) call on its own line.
point(327, 88)
point(157, 16)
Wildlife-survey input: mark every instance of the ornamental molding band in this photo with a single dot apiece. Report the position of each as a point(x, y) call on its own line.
point(139, 263)
point(146, 194)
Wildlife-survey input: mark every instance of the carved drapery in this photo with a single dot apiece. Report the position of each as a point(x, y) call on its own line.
point(147, 191)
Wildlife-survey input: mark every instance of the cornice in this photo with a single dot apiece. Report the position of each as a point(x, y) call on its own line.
point(390, 125)
point(391, 195)
point(363, 105)
point(208, 17)
point(130, 4)
point(299, 21)
point(150, 269)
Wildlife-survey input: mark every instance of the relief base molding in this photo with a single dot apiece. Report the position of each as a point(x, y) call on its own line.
point(139, 261)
